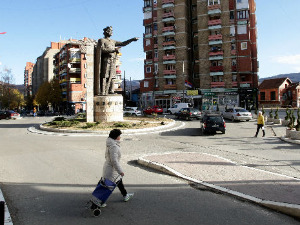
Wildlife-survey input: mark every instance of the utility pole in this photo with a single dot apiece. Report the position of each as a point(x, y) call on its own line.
point(124, 91)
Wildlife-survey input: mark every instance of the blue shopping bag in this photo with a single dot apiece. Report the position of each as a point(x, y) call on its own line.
point(103, 190)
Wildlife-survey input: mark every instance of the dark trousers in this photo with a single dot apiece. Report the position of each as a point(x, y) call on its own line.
point(122, 188)
point(260, 126)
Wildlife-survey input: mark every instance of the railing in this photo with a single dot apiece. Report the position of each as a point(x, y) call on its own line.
point(214, 22)
point(169, 72)
point(216, 53)
point(75, 80)
point(170, 87)
point(167, 1)
point(168, 43)
point(75, 70)
point(169, 14)
point(217, 84)
point(215, 37)
point(168, 57)
point(168, 29)
point(212, 7)
point(216, 68)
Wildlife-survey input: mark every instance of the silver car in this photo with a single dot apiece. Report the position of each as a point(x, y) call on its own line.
point(237, 113)
point(131, 111)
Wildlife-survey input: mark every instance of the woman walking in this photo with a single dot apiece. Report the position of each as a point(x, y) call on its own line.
point(112, 168)
point(260, 124)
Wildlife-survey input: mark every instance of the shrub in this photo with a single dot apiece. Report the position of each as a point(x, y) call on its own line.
point(287, 114)
point(59, 118)
point(271, 113)
point(276, 114)
point(122, 124)
point(263, 110)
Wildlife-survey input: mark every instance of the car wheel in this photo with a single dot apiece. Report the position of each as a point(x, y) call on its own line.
point(247, 120)
point(223, 132)
point(187, 118)
point(169, 112)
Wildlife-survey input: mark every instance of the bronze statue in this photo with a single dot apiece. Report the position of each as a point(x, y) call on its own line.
point(105, 64)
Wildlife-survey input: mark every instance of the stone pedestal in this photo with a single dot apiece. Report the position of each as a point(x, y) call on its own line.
point(108, 108)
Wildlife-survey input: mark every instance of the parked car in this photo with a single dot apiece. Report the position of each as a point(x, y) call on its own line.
point(188, 114)
point(131, 111)
point(13, 114)
point(4, 115)
point(237, 113)
point(154, 109)
point(177, 107)
point(211, 123)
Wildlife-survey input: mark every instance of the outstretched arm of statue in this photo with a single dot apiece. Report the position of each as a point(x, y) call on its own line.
point(124, 43)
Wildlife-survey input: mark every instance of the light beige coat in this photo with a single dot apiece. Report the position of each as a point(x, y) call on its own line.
point(112, 168)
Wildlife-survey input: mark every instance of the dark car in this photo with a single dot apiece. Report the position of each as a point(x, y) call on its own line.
point(5, 115)
point(188, 114)
point(211, 123)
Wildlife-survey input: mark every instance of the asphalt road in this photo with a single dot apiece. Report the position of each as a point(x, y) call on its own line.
point(48, 179)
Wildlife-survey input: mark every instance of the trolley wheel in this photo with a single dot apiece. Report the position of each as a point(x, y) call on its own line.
point(97, 212)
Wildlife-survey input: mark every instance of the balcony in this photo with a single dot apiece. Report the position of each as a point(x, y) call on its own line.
point(155, 45)
point(169, 57)
point(215, 53)
point(155, 59)
point(148, 61)
point(168, 43)
point(169, 14)
point(233, 68)
point(216, 68)
point(215, 37)
point(233, 52)
point(167, 3)
point(214, 22)
point(169, 72)
point(118, 71)
point(214, 9)
point(217, 84)
point(246, 84)
point(75, 70)
point(63, 81)
point(75, 80)
point(168, 29)
point(75, 60)
point(234, 83)
point(170, 87)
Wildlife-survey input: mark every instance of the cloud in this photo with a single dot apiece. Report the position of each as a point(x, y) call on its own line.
point(290, 59)
point(0, 63)
point(136, 60)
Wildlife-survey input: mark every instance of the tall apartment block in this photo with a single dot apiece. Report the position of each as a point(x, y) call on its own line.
point(28, 78)
point(200, 51)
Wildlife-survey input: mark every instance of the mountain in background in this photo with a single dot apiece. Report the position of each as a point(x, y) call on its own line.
point(294, 77)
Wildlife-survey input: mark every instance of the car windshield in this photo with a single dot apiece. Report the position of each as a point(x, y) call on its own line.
point(214, 119)
point(241, 110)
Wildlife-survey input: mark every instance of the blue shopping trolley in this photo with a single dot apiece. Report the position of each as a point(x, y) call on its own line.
point(101, 193)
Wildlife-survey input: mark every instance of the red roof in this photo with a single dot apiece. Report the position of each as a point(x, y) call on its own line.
point(273, 83)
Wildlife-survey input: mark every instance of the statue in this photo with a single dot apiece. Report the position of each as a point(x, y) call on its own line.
point(105, 63)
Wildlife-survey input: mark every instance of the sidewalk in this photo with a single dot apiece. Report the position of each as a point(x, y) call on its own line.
point(272, 190)
point(7, 218)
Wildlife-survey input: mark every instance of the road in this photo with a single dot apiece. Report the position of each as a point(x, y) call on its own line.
point(48, 179)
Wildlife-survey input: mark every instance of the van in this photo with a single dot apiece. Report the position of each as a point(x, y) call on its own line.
point(175, 108)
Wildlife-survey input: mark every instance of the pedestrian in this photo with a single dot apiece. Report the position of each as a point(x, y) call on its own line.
point(112, 168)
point(260, 124)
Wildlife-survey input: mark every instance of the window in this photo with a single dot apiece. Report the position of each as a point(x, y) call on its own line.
point(273, 95)
point(155, 53)
point(147, 15)
point(234, 78)
point(148, 29)
point(243, 45)
point(155, 67)
point(232, 15)
point(213, 2)
point(146, 84)
point(242, 29)
point(262, 96)
point(232, 30)
point(148, 42)
point(148, 69)
point(242, 14)
point(147, 3)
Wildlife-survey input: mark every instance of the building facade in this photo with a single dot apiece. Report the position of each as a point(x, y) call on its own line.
point(200, 51)
point(28, 78)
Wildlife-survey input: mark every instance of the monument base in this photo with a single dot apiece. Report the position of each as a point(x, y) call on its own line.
point(108, 108)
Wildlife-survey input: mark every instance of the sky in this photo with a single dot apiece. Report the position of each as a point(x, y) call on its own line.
point(31, 25)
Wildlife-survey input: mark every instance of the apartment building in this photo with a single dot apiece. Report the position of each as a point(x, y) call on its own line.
point(200, 51)
point(43, 68)
point(28, 78)
point(70, 68)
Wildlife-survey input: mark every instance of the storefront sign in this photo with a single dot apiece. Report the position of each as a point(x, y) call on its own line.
point(230, 93)
point(191, 92)
point(209, 94)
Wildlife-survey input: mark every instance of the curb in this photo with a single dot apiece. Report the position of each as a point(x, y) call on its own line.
point(163, 128)
point(7, 217)
point(289, 209)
